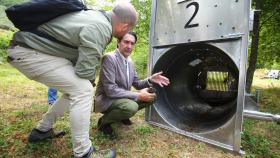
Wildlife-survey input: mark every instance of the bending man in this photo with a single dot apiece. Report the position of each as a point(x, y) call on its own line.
point(70, 70)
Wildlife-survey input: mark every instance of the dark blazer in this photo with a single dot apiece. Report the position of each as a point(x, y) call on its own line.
point(113, 83)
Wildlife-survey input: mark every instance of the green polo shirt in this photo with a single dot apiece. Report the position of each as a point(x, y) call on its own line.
point(90, 31)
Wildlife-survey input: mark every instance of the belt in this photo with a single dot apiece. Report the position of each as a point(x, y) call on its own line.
point(14, 43)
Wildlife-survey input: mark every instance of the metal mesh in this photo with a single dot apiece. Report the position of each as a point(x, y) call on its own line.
point(217, 81)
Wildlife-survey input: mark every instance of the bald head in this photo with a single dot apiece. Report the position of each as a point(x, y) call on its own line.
point(124, 19)
point(125, 13)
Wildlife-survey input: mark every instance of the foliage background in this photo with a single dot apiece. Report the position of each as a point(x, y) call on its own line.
point(269, 44)
point(140, 53)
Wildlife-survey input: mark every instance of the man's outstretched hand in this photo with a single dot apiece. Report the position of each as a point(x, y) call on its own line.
point(159, 79)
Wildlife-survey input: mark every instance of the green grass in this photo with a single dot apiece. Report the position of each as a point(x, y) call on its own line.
point(261, 139)
point(24, 101)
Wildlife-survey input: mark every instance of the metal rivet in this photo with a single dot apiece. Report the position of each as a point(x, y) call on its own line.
point(215, 5)
point(207, 25)
point(220, 23)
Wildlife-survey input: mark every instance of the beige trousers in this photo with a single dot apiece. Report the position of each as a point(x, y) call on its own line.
point(77, 93)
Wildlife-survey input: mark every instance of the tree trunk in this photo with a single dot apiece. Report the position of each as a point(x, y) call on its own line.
point(254, 48)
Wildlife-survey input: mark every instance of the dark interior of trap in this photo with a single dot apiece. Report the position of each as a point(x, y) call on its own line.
point(202, 94)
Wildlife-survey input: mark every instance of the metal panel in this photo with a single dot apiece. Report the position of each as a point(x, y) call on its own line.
point(182, 26)
point(212, 20)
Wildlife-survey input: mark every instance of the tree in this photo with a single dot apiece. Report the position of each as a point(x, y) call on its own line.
point(269, 44)
point(142, 29)
point(265, 47)
point(254, 47)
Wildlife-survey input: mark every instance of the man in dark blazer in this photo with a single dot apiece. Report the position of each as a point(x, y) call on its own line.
point(114, 97)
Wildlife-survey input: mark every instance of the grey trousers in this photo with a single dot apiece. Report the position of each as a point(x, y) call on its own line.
point(77, 93)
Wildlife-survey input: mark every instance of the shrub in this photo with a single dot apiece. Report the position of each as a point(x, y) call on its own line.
point(5, 37)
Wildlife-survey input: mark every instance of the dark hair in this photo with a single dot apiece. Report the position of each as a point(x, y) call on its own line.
point(131, 33)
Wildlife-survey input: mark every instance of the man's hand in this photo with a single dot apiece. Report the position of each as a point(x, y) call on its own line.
point(145, 96)
point(159, 79)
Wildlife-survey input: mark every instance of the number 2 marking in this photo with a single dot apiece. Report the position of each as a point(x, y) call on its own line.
point(188, 25)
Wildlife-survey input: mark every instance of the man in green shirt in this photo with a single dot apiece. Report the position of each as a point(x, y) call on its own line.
point(70, 70)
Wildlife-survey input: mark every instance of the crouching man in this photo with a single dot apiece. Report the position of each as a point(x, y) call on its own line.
point(114, 97)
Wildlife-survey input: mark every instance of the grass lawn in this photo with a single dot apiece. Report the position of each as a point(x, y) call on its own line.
point(22, 103)
point(262, 139)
